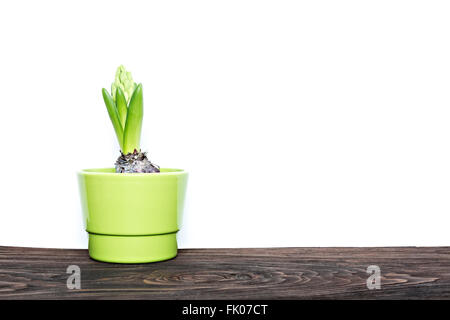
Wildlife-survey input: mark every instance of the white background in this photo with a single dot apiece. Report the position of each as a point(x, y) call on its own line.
point(302, 123)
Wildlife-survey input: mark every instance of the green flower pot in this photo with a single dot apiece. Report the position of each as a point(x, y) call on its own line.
point(132, 217)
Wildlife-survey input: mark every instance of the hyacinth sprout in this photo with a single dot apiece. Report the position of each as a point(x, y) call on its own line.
point(125, 107)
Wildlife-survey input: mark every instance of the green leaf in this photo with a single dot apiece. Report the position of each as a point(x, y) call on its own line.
point(121, 104)
point(114, 116)
point(133, 125)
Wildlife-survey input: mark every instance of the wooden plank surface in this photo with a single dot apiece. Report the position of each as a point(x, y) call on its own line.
point(275, 273)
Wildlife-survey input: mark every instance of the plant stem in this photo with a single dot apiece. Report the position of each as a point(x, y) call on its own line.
point(121, 104)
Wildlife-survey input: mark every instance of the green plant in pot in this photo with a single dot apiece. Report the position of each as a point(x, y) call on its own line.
point(132, 212)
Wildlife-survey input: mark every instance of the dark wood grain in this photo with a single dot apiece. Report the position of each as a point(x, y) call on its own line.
point(275, 273)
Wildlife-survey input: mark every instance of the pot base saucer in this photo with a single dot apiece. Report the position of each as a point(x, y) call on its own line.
point(132, 249)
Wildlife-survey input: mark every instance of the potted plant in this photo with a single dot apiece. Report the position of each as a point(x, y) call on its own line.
point(133, 211)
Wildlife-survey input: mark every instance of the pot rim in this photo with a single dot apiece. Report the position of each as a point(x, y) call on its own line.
point(104, 172)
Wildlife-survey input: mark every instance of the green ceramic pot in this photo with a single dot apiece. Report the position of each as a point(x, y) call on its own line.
point(132, 217)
